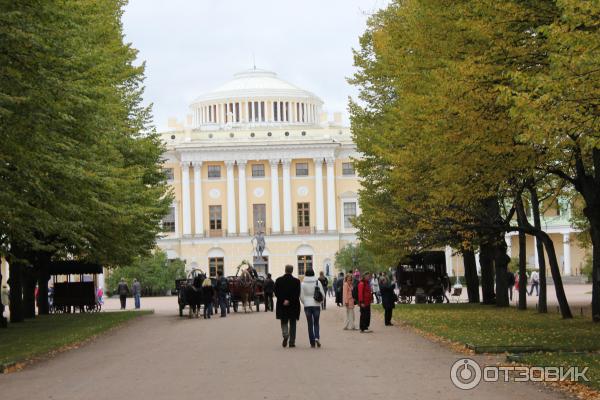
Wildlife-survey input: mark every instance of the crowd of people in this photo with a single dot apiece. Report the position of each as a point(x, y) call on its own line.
point(349, 290)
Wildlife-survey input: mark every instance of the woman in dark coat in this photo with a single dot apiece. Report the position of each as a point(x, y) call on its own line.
point(388, 299)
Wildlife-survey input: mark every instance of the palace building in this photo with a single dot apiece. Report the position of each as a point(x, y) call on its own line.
point(258, 153)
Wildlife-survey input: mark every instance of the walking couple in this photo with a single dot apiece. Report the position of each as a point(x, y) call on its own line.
point(290, 293)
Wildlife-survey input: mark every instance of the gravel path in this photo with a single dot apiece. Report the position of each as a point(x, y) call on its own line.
point(240, 357)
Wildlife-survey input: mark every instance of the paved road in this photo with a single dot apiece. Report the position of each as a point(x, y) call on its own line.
point(240, 357)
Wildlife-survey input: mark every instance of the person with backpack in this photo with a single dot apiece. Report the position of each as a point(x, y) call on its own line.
point(312, 295)
point(269, 289)
point(365, 297)
point(222, 290)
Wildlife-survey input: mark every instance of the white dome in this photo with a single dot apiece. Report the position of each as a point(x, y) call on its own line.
point(256, 83)
point(255, 98)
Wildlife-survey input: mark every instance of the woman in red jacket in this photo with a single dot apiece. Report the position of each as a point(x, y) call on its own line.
point(365, 296)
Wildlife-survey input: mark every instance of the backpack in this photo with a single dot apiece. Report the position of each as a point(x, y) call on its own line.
point(355, 291)
point(318, 296)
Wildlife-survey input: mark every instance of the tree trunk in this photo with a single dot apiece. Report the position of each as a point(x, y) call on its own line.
point(471, 278)
point(501, 261)
point(592, 212)
point(522, 271)
point(16, 291)
point(486, 260)
point(545, 238)
point(29, 282)
point(3, 322)
point(556, 277)
point(535, 207)
point(595, 274)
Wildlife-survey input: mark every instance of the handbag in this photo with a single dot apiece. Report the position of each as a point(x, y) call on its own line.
point(317, 296)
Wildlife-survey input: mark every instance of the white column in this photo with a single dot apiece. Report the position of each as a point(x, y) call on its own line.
point(331, 203)
point(287, 196)
point(449, 268)
point(285, 110)
point(320, 210)
point(242, 197)
point(508, 239)
point(259, 111)
point(198, 210)
point(566, 254)
point(275, 223)
point(185, 198)
point(230, 199)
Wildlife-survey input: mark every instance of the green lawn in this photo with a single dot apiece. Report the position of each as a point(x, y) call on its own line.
point(535, 339)
point(44, 334)
point(590, 360)
point(492, 329)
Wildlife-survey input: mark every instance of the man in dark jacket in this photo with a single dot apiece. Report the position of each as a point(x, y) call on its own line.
point(123, 291)
point(269, 289)
point(287, 291)
point(510, 280)
point(222, 290)
point(339, 287)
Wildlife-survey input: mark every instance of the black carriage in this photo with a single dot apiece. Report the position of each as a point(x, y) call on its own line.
point(70, 296)
point(181, 284)
point(422, 277)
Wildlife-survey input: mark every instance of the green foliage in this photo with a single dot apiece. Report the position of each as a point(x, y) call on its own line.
point(79, 161)
point(49, 333)
point(358, 256)
point(155, 273)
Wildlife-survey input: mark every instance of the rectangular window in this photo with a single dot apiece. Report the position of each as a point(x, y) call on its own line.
point(169, 173)
point(214, 171)
point(168, 222)
point(301, 169)
point(349, 214)
point(303, 215)
point(259, 215)
point(258, 170)
point(215, 265)
point(215, 217)
point(304, 262)
point(348, 168)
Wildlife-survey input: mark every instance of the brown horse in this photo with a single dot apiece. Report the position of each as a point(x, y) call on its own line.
point(246, 288)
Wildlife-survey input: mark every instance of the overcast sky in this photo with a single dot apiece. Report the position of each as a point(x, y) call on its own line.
point(192, 46)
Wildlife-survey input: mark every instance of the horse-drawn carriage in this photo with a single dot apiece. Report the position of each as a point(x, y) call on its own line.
point(422, 277)
point(189, 291)
point(245, 287)
point(68, 296)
